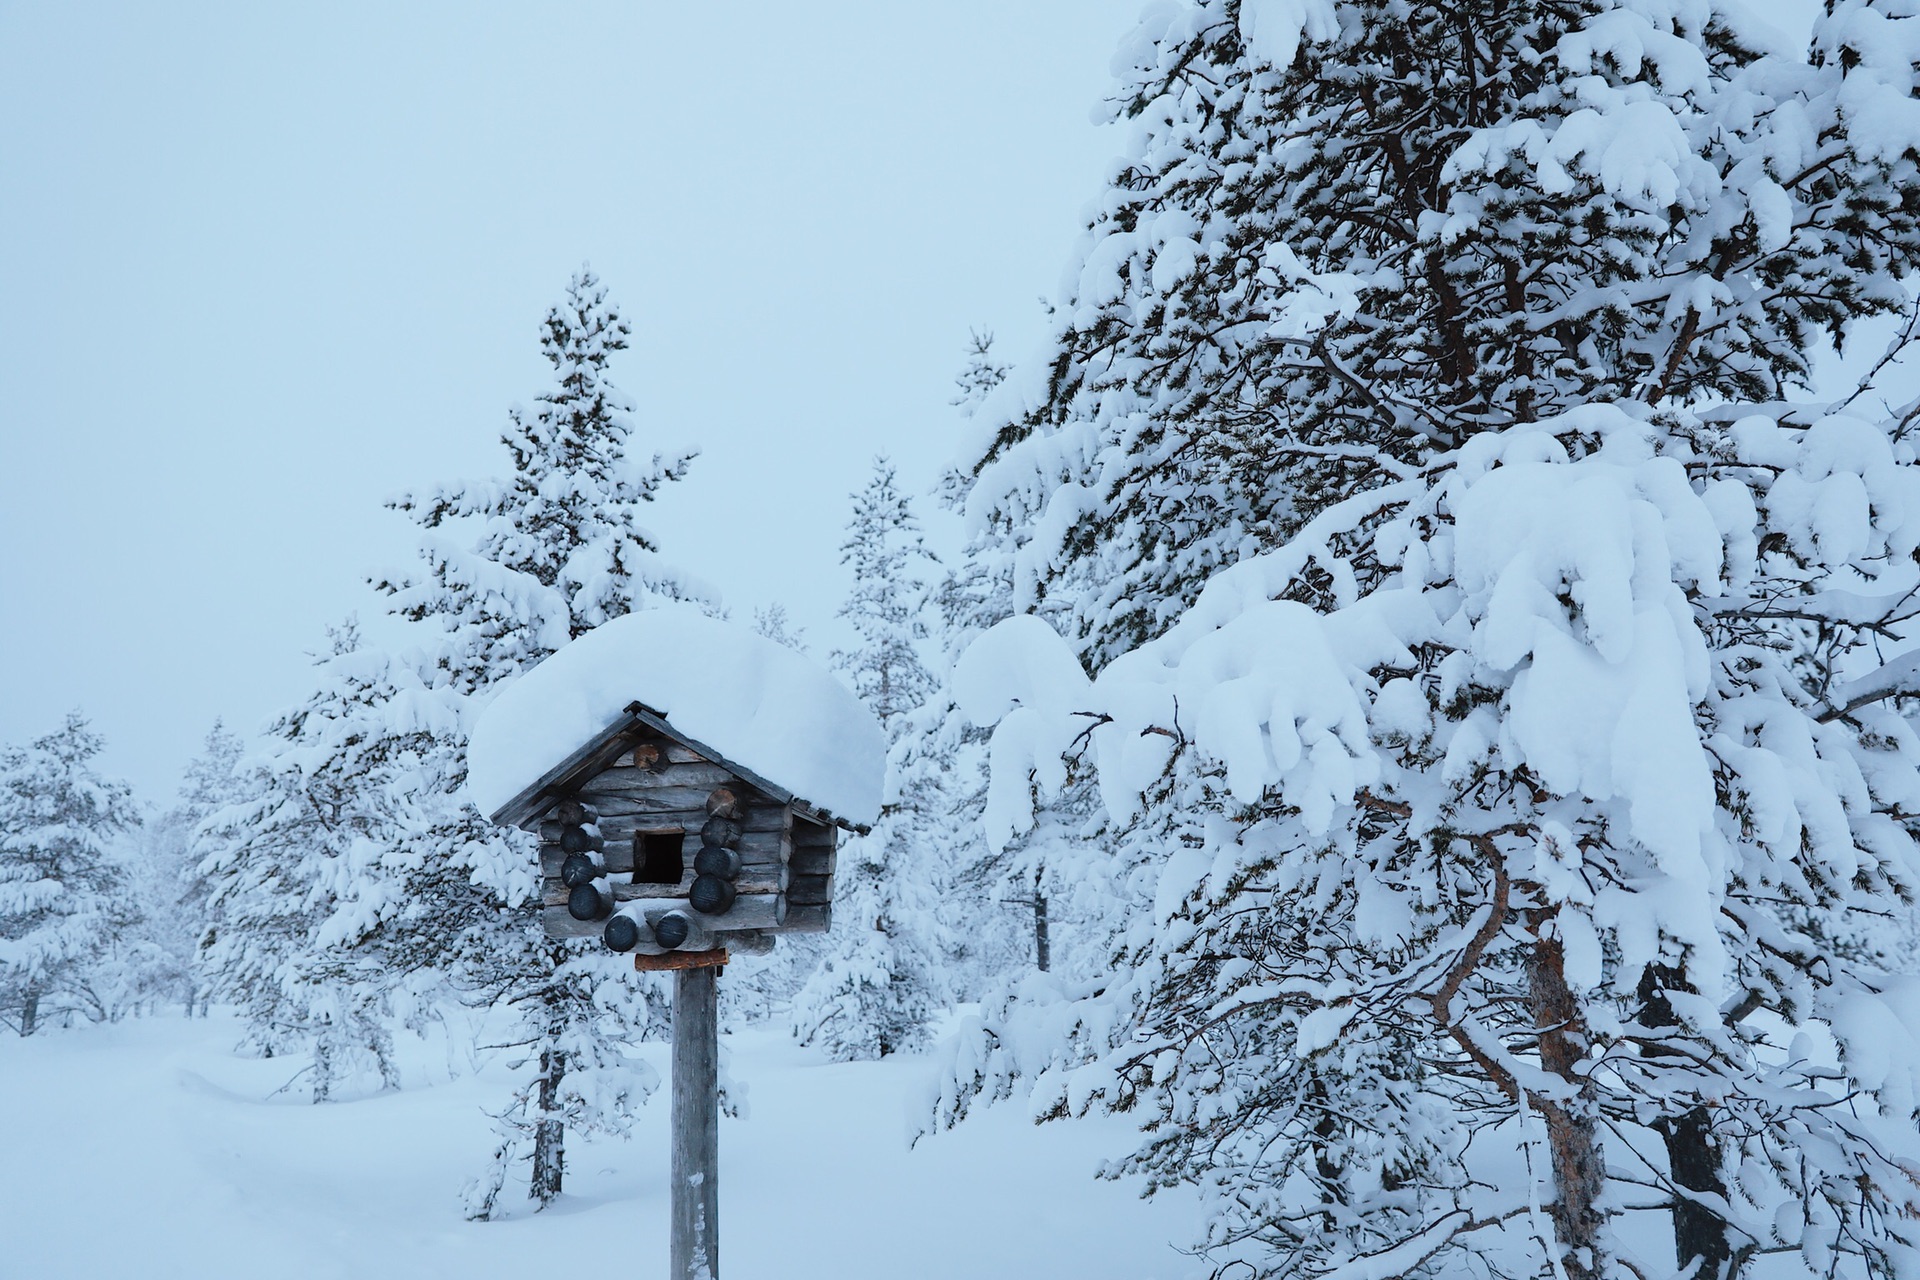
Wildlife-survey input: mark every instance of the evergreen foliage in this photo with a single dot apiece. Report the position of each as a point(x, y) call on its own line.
point(166, 874)
point(509, 571)
point(1473, 627)
point(304, 818)
point(877, 984)
point(68, 940)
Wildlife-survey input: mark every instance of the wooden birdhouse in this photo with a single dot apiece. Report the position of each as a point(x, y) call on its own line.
point(682, 820)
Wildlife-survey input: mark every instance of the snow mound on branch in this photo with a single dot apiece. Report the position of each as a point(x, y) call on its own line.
point(758, 703)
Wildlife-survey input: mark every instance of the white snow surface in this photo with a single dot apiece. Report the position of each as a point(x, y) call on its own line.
point(216, 1172)
point(758, 703)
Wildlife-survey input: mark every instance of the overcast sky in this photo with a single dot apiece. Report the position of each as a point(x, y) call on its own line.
point(262, 266)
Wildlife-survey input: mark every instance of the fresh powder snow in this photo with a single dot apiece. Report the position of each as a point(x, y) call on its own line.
point(759, 704)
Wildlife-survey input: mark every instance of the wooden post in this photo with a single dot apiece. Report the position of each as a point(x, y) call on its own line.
point(696, 1126)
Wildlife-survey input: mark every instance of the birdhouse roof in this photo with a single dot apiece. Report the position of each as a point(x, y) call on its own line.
point(776, 718)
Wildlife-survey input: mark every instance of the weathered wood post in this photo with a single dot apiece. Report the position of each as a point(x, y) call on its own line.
point(695, 1246)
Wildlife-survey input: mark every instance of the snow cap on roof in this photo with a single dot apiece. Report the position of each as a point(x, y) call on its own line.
point(757, 703)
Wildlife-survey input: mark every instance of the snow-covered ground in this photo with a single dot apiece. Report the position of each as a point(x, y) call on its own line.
point(148, 1148)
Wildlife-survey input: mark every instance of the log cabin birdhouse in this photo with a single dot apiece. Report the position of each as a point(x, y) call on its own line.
point(687, 779)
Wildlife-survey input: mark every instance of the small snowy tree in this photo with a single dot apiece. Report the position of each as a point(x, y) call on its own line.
point(66, 918)
point(773, 623)
point(274, 861)
point(885, 607)
point(172, 892)
point(876, 987)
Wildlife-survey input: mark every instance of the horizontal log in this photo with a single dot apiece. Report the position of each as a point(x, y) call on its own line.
point(554, 890)
point(808, 919)
point(702, 775)
point(811, 890)
point(715, 959)
point(617, 862)
point(559, 924)
point(809, 835)
point(613, 801)
point(750, 942)
point(763, 820)
point(675, 752)
point(812, 862)
point(771, 882)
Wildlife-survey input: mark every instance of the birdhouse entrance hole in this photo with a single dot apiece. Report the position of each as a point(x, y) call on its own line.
point(657, 857)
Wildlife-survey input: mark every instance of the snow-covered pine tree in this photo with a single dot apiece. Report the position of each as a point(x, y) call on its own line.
point(173, 893)
point(1506, 783)
point(877, 984)
point(1533, 207)
point(66, 919)
point(888, 559)
point(1016, 903)
point(299, 817)
point(511, 569)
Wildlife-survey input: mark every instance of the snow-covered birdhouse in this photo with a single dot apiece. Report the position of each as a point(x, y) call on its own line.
point(687, 778)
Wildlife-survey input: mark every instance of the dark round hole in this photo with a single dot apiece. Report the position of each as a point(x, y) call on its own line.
point(671, 930)
point(585, 903)
point(622, 933)
point(577, 870)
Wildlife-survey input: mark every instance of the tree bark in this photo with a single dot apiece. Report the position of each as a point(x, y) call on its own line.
point(1572, 1137)
point(1042, 944)
point(323, 1064)
point(29, 1012)
point(549, 1133)
point(1693, 1154)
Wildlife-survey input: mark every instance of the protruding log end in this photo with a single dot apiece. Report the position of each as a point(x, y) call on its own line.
point(711, 895)
point(720, 833)
point(724, 863)
point(621, 934)
point(587, 903)
point(577, 870)
point(724, 802)
point(671, 929)
point(574, 814)
point(579, 840)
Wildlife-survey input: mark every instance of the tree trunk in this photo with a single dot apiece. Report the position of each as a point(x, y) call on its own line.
point(1042, 944)
point(323, 1064)
point(549, 1134)
point(1572, 1137)
point(1693, 1154)
point(29, 1011)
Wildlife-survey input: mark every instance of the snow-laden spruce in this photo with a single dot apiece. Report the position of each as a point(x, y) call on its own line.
point(1346, 235)
point(365, 888)
point(1365, 304)
point(878, 981)
point(1448, 842)
point(510, 570)
point(67, 925)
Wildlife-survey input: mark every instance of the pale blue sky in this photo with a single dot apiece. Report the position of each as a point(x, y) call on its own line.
point(262, 265)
